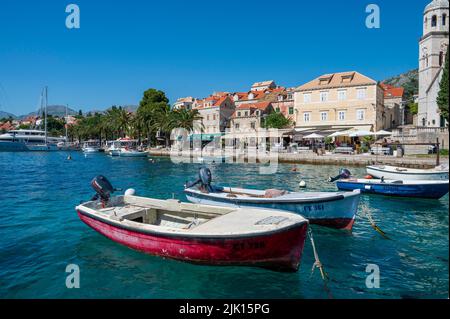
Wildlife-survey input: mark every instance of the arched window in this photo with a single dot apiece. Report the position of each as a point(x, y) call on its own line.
point(423, 121)
point(444, 19)
point(433, 21)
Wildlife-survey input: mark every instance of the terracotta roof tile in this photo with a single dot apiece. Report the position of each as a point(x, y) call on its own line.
point(335, 80)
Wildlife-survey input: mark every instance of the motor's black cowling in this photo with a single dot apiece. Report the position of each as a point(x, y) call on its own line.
point(343, 173)
point(204, 178)
point(102, 187)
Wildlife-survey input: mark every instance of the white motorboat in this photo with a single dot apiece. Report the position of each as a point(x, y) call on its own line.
point(402, 173)
point(331, 209)
point(91, 146)
point(197, 233)
point(124, 152)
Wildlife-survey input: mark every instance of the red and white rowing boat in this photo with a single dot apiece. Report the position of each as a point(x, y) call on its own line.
point(199, 233)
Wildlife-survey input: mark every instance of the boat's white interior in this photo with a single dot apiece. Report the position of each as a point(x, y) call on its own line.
point(268, 195)
point(178, 216)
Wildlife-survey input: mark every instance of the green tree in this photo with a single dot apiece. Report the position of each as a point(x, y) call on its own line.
point(442, 98)
point(152, 112)
point(412, 107)
point(276, 120)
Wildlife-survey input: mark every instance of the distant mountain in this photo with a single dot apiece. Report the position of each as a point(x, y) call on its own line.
point(6, 115)
point(54, 110)
point(408, 80)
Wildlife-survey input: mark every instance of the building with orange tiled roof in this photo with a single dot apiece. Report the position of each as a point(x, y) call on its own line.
point(215, 111)
point(394, 103)
point(264, 85)
point(7, 126)
point(338, 101)
point(248, 117)
point(184, 103)
point(283, 102)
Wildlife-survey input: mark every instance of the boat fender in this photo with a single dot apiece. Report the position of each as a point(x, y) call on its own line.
point(302, 184)
point(130, 192)
point(368, 177)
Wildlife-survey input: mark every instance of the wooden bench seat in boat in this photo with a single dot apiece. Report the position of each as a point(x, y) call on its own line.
point(235, 222)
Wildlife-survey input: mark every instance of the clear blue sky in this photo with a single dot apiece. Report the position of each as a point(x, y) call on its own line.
point(191, 48)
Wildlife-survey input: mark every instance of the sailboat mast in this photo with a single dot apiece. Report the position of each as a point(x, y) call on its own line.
point(67, 106)
point(45, 119)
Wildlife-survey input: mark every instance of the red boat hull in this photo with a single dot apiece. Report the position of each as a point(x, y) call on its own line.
point(280, 250)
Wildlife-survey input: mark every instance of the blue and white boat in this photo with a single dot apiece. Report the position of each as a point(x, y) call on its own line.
point(405, 188)
point(331, 209)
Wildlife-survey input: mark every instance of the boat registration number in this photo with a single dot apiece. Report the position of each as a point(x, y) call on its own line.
point(311, 208)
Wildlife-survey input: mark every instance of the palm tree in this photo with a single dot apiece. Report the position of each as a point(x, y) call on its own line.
point(186, 119)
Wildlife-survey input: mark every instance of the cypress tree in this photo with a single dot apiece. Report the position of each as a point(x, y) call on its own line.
point(442, 98)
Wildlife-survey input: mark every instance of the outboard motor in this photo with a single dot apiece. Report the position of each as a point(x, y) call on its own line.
point(103, 188)
point(343, 173)
point(204, 178)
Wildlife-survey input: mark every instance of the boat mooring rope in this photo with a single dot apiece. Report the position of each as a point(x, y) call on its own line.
point(373, 224)
point(318, 264)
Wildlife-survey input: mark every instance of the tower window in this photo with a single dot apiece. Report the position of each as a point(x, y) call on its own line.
point(433, 21)
point(444, 19)
point(441, 58)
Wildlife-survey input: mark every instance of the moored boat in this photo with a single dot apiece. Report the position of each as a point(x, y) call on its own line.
point(421, 188)
point(197, 233)
point(402, 173)
point(331, 209)
point(125, 152)
point(91, 146)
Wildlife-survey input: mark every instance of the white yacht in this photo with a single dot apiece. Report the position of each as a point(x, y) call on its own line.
point(33, 139)
point(28, 140)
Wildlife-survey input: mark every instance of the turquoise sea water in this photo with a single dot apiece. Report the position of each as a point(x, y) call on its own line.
point(40, 234)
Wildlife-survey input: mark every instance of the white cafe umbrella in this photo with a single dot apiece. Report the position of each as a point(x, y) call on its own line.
point(361, 133)
point(383, 132)
point(340, 133)
point(313, 136)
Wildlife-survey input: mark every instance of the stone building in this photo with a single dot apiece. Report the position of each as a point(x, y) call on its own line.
point(394, 106)
point(433, 46)
point(339, 101)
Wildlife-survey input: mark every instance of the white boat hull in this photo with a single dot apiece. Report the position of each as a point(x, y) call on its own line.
point(397, 173)
point(90, 150)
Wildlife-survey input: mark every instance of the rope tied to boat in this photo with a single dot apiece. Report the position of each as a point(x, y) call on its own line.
point(318, 264)
point(367, 213)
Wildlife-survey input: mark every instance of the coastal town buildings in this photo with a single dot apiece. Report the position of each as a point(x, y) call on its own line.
point(339, 101)
point(433, 46)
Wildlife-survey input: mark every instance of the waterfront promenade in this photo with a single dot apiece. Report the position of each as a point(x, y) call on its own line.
point(327, 159)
